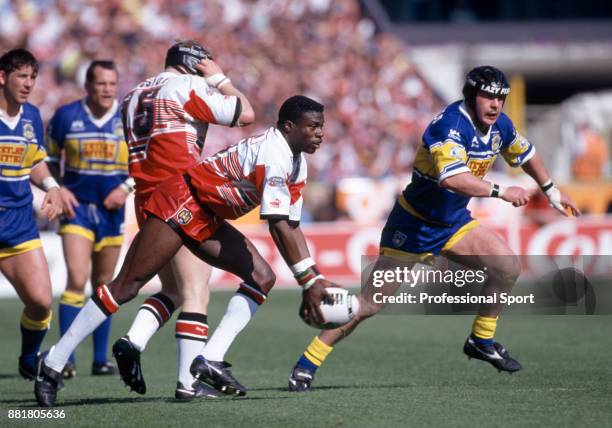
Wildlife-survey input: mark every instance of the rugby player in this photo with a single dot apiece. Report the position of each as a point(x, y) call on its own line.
point(267, 170)
point(22, 260)
point(166, 120)
point(430, 216)
point(87, 137)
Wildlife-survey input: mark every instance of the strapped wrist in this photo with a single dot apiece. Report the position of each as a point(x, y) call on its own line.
point(547, 186)
point(128, 185)
point(217, 80)
point(307, 278)
point(49, 183)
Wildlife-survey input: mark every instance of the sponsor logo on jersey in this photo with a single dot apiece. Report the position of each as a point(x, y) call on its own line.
point(454, 134)
point(184, 216)
point(276, 203)
point(12, 154)
point(479, 167)
point(276, 182)
point(28, 131)
point(96, 150)
point(457, 153)
point(495, 142)
point(77, 125)
point(475, 141)
point(398, 239)
point(118, 127)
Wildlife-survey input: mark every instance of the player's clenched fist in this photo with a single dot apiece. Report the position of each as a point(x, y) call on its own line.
point(516, 195)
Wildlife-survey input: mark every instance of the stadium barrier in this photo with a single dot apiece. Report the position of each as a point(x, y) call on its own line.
point(338, 247)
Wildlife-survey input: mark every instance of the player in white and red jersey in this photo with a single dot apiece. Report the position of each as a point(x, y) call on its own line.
point(166, 118)
point(191, 209)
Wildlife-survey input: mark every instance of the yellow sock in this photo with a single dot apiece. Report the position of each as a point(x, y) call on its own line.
point(484, 327)
point(72, 299)
point(317, 351)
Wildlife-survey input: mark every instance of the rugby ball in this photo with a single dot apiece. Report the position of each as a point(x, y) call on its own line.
point(344, 308)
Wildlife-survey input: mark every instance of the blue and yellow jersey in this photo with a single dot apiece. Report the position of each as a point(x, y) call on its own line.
point(453, 145)
point(95, 151)
point(21, 147)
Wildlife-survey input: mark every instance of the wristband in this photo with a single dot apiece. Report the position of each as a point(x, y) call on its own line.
point(547, 186)
point(307, 278)
point(496, 191)
point(223, 82)
point(128, 185)
point(302, 265)
point(49, 183)
point(215, 80)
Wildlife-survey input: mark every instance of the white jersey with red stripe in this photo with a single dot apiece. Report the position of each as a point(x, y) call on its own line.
point(165, 122)
point(259, 170)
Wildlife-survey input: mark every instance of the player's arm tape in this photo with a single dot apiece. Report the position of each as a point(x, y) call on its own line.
point(496, 191)
point(302, 265)
point(128, 185)
point(307, 278)
point(49, 183)
point(553, 194)
point(217, 80)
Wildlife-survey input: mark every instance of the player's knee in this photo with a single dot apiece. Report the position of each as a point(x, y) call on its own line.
point(507, 271)
point(77, 278)
point(264, 277)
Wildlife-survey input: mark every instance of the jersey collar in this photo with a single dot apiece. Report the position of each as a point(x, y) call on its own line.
point(11, 122)
point(100, 122)
point(483, 137)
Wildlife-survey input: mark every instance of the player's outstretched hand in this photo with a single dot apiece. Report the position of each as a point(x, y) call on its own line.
point(561, 202)
point(516, 195)
point(52, 205)
point(312, 299)
point(115, 199)
point(69, 201)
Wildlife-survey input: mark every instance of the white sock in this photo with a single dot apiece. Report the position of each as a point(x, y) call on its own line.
point(154, 312)
point(240, 310)
point(191, 333)
point(88, 319)
point(143, 328)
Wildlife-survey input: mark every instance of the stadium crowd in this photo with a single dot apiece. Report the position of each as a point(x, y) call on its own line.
point(376, 104)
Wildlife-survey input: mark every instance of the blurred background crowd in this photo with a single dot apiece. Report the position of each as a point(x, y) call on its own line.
point(377, 103)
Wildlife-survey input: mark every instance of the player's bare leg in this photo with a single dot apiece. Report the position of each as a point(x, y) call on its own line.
point(102, 272)
point(481, 248)
point(231, 251)
point(77, 254)
point(302, 374)
point(151, 249)
point(29, 274)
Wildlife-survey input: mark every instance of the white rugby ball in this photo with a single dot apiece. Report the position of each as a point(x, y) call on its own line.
point(344, 308)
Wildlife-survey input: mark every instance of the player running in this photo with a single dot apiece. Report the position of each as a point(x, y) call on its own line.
point(22, 151)
point(87, 136)
point(267, 170)
point(166, 119)
point(430, 217)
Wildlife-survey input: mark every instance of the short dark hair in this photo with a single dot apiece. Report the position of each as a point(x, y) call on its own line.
point(107, 64)
point(293, 108)
point(17, 58)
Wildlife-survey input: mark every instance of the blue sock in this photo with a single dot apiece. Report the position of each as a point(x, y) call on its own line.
point(32, 335)
point(67, 314)
point(480, 341)
point(305, 363)
point(100, 341)
point(30, 345)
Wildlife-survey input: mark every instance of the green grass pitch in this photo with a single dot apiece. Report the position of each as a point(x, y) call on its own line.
point(394, 371)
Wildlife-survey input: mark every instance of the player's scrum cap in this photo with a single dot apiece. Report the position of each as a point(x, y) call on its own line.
point(185, 55)
point(487, 79)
